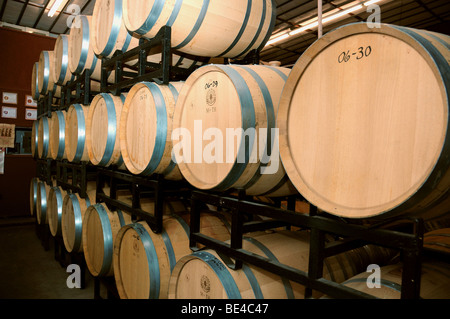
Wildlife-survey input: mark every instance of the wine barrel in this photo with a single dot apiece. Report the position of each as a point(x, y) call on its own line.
point(61, 71)
point(434, 284)
point(35, 82)
point(75, 133)
point(361, 135)
point(57, 143)
point(438, 240)
point(34, 139)
point(43, 138)
point(45, 82)
point(205, 275)
point(33, 195)
point(81, 54)
point(144, 260)
point(55, 202)
point(102, 134)
point(108, 33)
point(100, 228)
point(242, 100)
point(43, 190)
point(146, 128)
point(205, 28)
point(74, 209)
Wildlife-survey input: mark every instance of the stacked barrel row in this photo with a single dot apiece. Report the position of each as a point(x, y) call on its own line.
point(178, 131)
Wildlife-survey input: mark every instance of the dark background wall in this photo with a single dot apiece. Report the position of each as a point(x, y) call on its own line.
point(18, 52)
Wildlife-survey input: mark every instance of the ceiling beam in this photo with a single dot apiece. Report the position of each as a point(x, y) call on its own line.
point(420, 2)
point(41, 14)
point(2, 12)
point(24, 7)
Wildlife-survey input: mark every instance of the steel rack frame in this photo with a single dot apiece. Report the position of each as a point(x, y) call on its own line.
point(45, 106)
point(79, 173)
point(155, 187)
point(82, 88)
point(409, 242)
point(111, 289)
point(45, 169)
point(161, 73)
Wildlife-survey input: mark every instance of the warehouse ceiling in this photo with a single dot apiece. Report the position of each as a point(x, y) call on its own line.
point(32, 16)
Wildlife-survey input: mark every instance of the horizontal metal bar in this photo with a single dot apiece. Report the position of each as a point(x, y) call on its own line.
point(384, 237)
point(125, 207)
point(333, 289)
point(262, 225)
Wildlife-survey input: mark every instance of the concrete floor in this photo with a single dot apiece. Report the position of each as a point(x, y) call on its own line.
point(28, 271)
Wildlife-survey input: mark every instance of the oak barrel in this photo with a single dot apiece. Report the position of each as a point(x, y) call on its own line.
point(33, 195)
point(144, 260)
point(75, 133)
point(438, 240)
point(204, 28)
point(102, 129)
point(74, 209)
point(100, 228)
point(57, 142)
point(205, 274)
point(35, 81)
point(146, 128)
point(81, 53)
point(43, 137)
point(61, 71)
point(34, 139)
point(235, 107)
point(43, 190)
point(434, 284)
point(373, 109)
point(108, 32)
point(45, 82)
point(55, 202)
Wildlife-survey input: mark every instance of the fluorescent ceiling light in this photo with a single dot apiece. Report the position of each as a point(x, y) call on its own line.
point(368, 3)
point(324, 20)
point(55, 6)
point(284, 36)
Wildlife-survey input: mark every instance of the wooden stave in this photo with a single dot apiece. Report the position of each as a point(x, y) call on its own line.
point(166, 248)
point(112, 152)
point(197, 22)
point(249, 179)
point(438, 182)
point(162, 156)
point(437, 240)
